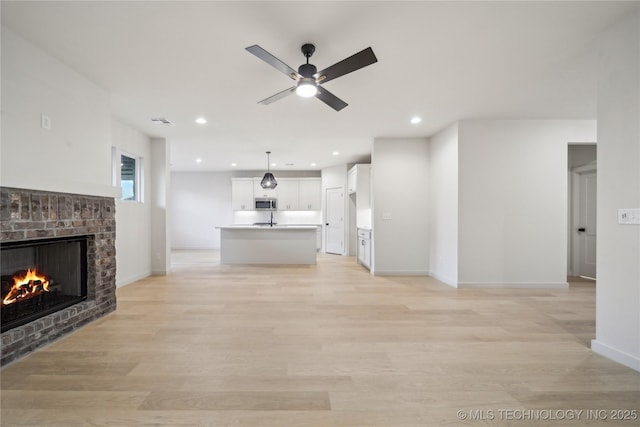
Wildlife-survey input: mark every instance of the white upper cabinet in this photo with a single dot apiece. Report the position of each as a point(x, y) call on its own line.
point(242, 194)
point(352, 180)
point(293, 194)
point(302, 194)
point(359, 182)
point(310, 194)
point(258, 191)
point(288, 195)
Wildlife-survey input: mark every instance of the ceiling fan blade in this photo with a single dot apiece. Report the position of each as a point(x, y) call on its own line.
point(354, 62)
point(330, 99)
point(277, 96)
point(273, 61)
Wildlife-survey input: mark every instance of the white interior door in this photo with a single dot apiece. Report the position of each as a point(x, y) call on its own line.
point(585, 223)
point(334, 223)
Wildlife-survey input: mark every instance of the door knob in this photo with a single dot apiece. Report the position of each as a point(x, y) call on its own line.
point(582, 230)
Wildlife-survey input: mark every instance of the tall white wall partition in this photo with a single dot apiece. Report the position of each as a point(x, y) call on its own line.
point(133, 218)
point(513, 201)
point(618, 252)
point(159, 187)
point(200, 201)
point(400, 182)
point(443, 205)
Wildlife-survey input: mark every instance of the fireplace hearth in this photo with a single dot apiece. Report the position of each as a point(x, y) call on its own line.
point(57, 266)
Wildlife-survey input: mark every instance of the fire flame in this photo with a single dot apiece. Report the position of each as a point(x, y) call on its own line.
point(26, 285)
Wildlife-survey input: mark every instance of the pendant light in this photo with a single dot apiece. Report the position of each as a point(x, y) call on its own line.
point(268, 181)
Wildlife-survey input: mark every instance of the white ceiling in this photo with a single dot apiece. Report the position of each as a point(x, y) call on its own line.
point(442, 61)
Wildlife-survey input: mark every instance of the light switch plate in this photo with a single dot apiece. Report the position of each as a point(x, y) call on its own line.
point(628, 216)
point(386, 216)
point(45, 122)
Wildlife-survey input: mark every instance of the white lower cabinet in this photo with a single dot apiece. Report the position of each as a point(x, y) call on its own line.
point(364, 247)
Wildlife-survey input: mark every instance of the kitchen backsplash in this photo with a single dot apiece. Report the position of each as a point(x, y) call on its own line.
point(281, 217)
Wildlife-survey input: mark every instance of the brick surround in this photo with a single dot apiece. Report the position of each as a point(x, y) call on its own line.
point(32, 215)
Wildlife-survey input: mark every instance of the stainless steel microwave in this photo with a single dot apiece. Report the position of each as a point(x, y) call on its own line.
point(265, 204)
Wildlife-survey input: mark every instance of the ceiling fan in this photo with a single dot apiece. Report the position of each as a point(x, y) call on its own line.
point(309, 79)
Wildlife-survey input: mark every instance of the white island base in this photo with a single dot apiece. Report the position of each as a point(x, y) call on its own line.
point(268, 245)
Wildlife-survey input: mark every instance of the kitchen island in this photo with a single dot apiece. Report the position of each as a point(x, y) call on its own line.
point(280, 244)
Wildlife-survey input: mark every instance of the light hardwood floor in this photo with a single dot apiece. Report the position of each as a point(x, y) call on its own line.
point(325, 345)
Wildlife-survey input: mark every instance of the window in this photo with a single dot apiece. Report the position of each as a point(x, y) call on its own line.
point(130, 184)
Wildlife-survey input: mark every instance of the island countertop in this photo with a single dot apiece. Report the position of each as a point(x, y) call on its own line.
point(268, 227)
point(264, 244)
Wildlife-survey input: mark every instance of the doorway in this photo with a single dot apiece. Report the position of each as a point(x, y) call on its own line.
point(334, 224)
point(582, 208)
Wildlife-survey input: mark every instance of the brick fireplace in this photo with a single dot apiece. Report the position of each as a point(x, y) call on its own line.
point(29, 215)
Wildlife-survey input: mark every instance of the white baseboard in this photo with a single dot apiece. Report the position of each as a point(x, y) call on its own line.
point(160, 272)
point(512, 285)
point(616, 355)
point(129, 280)
point(400, 273)
point(444, 279)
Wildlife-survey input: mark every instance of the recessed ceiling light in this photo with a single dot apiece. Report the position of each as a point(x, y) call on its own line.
point(234, 164)
point(274, 164)
point(336, 153)
point(198, 160)
point(201, 120)
point(415, 120)
point(313, 164)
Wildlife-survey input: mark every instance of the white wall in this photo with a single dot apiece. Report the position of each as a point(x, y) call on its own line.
point(443, 205)
point(618, 252)
point(513, 200)
point(400, 181)
point(160, 184)
point(74, 156)
point(200, 201)
point(133, 219)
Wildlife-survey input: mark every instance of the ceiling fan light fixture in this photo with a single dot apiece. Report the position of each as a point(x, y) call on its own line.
point(306, 87)
point(268, 180)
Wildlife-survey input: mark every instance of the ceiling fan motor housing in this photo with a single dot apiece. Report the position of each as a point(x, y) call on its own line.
point(307, 70)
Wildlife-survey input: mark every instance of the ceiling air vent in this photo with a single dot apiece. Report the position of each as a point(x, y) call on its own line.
point(162, 121)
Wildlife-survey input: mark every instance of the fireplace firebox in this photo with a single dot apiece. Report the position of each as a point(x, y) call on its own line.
point(40, 277)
